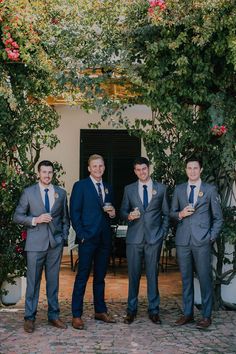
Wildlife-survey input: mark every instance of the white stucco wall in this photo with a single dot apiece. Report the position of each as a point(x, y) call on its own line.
point(68, 151)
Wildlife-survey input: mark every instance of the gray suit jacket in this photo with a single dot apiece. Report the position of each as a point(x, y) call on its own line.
point(205, 223)
point(153, 223)
point(39, 236)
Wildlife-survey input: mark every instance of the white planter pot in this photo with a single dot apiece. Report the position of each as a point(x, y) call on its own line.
point(228, 292)
point(15, 291)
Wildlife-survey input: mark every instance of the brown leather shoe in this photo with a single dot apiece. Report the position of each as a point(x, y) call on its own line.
point(29, 326)
point(105, 317)
point(77, 323)
point(203, 323)
point(129, 318)
point(155, 318)
point(184, 320)
point(58, 323)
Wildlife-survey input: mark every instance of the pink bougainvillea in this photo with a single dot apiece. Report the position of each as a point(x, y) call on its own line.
point(3, 185)
point(155, 8)
point(219, 130)
point(11, 47)
point(157, 3)
point(19, 249)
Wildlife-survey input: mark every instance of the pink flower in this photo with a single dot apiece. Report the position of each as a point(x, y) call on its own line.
point(19, 249)
point(6, 33)
point(160, 3)
point(152, 3)
point(23, 234)
point(15, 45)
point(3, 184)
point(151, 11)
point(219, 130)
point(13, 54)
point(55, 21)
point(223, 129)
point(8, 41)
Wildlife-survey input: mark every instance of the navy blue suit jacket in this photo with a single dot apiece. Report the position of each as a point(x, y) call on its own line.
point(86, 212)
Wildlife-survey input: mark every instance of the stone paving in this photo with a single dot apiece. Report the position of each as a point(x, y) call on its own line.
point(141, 337)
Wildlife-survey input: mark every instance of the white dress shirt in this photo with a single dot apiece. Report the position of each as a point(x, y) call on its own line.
point(149, 185)
point(51, 196)
point(196, 190)
point(101, 185)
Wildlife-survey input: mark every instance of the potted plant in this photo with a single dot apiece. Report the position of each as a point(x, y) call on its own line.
point(26, 124)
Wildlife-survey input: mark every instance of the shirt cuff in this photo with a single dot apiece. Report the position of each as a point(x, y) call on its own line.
point(33, 222)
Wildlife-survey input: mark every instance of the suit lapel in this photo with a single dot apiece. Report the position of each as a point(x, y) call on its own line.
point(184, 193)
point(39, 197)
point(202, 192)
point(106, 192)
point(57, 195)
point(154, 193)
point(137, 196)
point(94, 190)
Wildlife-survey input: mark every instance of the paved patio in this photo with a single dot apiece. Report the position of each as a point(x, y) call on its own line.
point(141, 337)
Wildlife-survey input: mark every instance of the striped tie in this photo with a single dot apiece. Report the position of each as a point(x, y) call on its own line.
point(100, 193)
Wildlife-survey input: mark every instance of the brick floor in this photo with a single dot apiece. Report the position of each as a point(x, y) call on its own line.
point(141, 337)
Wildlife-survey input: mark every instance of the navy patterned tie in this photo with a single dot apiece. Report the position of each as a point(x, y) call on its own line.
point(100, 193)
point(145, 197)
point(47, 204)
point(191, 194)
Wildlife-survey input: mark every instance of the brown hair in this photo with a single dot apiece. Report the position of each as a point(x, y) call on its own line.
point(140, 161)
point(45, 163)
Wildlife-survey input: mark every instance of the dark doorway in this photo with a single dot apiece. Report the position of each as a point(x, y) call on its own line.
point(118, 149)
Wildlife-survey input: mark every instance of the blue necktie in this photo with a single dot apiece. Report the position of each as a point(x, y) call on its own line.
point(47, 204)
point(191, 194)
point(145, 197)
point(100, 193)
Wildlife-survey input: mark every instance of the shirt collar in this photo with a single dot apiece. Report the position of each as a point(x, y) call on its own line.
point(197, 184)
point(148, 184)
point(95, 181)
point(42, 188)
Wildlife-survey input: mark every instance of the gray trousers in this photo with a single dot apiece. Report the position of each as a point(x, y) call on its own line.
point(136, 253)
point(199, 257)
point(50, 261)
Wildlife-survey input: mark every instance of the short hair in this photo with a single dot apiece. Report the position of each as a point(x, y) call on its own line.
point(140, 161)
point(194, 159)
point(45, 163)
point(95, 157)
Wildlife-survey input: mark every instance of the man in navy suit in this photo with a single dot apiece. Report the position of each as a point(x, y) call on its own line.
point(145, 208)
point(196, 208)
point(90, 219)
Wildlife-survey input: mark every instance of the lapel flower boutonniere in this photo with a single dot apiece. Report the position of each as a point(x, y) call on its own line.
point(56, 195)
point(154, 192)
point(200, 194)
point(106, 191)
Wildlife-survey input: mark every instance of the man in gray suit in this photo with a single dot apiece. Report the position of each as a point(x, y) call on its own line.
point(196, 208)
point(145, 207)
point(43, 210)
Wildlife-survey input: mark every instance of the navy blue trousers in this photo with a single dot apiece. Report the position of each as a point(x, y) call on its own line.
point(96, 253)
